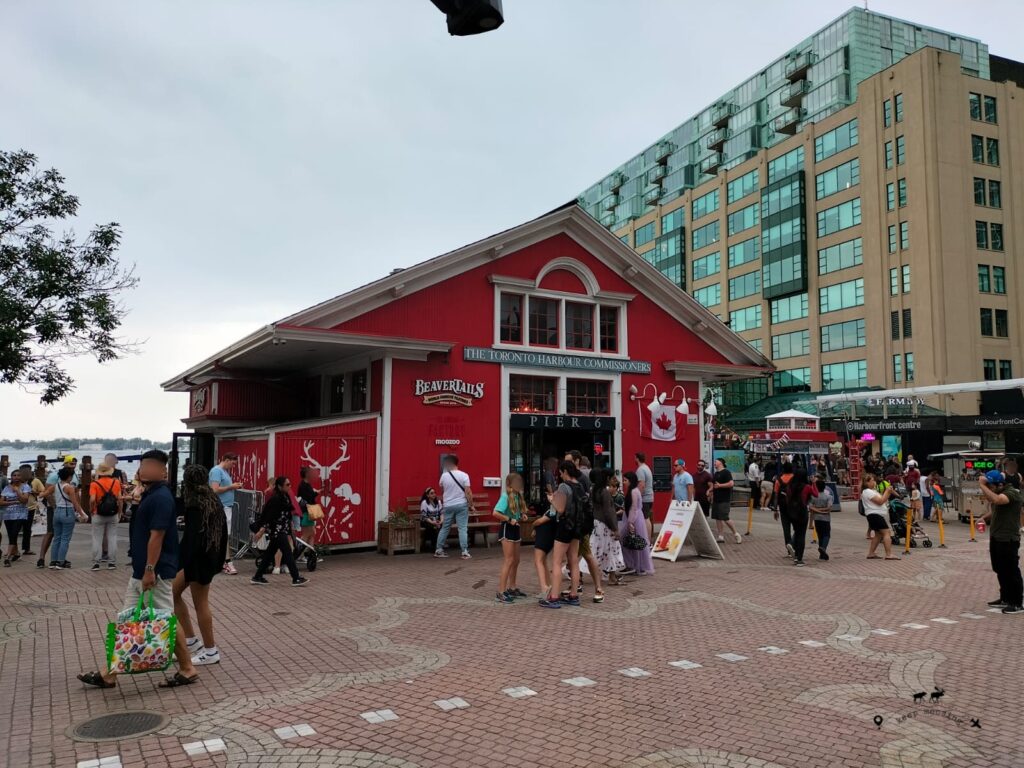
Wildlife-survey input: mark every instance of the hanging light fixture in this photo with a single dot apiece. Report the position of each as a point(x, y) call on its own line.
point(683, 408)
point(712, 409)
point(656, 402)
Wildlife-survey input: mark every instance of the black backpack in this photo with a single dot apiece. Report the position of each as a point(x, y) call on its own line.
point(578, 509)
point(108, 502)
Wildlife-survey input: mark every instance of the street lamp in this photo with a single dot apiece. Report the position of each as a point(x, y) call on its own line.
point(471, 17)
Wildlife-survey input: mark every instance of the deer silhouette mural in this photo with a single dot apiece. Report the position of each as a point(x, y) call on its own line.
point(337, 499)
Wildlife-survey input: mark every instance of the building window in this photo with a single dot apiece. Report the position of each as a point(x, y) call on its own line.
point(337, 394)
point(837, 179)
point(886, 113)
point(899, 107)
point(901, 150)
point(842, 336)
point(986, 322)
point(627, 239)
point(892, 238)
point(992, 151)
point(909, 360)
point(841, 296)
point(897, 368)
point(741, 253)
point(894, 324)
point(745, 319)
point(532, 394)
point(841, 256)
point(543, 322)
point(995, 194)
point(359, 379)
point(890, 196)
point(1005, 369)
point(707, 265)
point(908, 326)
point(789, 308)
point(998, 280)
point(739, 188)
point(745, 285)
point(579, 325)
point(743, 219)
point(904, 235)
point(984, 283)
point(888, 154)
point(791, 344)
point(905, 274)
point(977, 148)
point(997, 236)
point(979, 191)
point(839, 217)
point(704, 205)
point(609, 329)
point(1002, 324)
point(989, 367)
point(894, 281)
point(756, 344)
point(990, 109)
point(672, 221)
point(704, 236)
point(711, 296)
point(836, 140)
point(782, 198)
point(981, 234)
point(511, 321)
point(644, 234)
point(785, 165)
point(587, 397)
point(794, 380)
point(902, 187)
point(974, 103)
point(844, 375)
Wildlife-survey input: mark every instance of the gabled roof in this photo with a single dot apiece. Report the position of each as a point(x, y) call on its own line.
point(570, 220)
point(792, 413)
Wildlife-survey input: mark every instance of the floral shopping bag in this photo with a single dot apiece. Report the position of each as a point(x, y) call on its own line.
point(141, 639)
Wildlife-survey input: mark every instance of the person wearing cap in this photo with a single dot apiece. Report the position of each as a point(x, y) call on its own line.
point(1004, 539)
point(107, 507)
point(682, 482)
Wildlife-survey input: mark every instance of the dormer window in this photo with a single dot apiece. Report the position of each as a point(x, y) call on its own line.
point(571, 323)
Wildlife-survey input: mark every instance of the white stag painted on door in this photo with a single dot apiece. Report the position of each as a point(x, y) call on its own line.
point(338, 499)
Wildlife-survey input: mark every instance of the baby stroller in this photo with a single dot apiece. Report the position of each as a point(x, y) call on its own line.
point(898, 522)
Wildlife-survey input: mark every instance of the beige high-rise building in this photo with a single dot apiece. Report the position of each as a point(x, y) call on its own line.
point(863, 238)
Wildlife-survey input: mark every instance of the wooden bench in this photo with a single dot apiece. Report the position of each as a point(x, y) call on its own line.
point(481, 520)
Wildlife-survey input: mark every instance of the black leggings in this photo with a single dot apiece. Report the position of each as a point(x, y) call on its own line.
point(787, 524)
point(279, 543)
point(13, 527)
point(799, 521)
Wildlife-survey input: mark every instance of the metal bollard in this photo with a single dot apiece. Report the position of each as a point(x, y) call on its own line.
point(910, 528)
point(942, 529)
point(814, 533)
point(970, 515)
point(750, 515)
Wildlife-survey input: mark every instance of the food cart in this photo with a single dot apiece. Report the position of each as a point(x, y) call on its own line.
point(962, 470)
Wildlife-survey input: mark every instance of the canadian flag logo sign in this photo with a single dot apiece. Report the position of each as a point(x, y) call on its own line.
point(663, 423)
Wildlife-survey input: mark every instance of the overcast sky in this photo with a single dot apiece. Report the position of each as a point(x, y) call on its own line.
point(264, 155)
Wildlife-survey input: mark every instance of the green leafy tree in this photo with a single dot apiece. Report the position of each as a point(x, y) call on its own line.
point(58, 295)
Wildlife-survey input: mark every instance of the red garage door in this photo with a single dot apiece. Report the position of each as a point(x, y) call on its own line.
point(343, 464)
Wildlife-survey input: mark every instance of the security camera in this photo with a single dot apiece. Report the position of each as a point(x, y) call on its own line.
point(471, 17)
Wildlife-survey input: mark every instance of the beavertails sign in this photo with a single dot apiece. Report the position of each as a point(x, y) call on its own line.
point(448, 391)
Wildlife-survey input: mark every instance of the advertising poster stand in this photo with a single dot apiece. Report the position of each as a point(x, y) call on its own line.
point(685, 524)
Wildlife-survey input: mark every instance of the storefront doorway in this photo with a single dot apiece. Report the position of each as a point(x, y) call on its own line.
point(533, 440)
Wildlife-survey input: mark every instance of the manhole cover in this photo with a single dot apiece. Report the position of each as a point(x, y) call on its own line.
point(119, 725)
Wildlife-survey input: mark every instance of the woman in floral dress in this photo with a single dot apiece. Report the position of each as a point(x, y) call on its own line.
point(604, 541)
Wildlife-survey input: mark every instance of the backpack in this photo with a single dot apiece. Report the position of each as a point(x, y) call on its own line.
point(108, 502)
point(586, 503)
point(574, 515)
point(795, 504)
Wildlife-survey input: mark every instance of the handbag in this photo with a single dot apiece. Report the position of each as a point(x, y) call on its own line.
point(141, 639)
point(315, 511)
point(635, 542)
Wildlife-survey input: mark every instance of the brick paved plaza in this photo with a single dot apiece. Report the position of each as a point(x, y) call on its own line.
point(408, 661)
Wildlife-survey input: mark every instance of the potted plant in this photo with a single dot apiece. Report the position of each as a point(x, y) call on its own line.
point(398, 533)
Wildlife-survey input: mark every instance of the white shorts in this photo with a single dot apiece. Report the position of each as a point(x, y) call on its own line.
point(227, 513)
point(163, 597)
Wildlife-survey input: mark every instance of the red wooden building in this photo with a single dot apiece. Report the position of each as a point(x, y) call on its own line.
point(550, 336)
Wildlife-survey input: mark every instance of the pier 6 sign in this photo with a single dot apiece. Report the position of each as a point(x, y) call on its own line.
point(448, 391)
point(550, 360)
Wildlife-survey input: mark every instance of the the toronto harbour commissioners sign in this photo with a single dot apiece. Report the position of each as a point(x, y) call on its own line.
point(550, 360)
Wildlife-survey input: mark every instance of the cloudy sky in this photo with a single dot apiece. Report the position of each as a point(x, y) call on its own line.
point(262, 155)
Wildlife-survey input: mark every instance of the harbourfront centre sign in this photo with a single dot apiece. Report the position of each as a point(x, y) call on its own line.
point(554, 360)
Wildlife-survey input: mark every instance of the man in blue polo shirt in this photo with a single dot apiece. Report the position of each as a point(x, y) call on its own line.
point(154, 538)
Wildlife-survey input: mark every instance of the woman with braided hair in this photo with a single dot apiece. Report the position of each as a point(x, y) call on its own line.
point(203, 550)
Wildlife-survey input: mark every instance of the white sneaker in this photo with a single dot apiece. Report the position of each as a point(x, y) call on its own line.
point(206, 657)
point(277, 571)
point(230, 570)
point(790, 551)
point(739, 539)
point(720, 539)
point(195, 646)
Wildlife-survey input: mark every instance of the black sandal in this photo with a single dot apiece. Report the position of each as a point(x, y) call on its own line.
point(96, 680)
point(178, 680)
